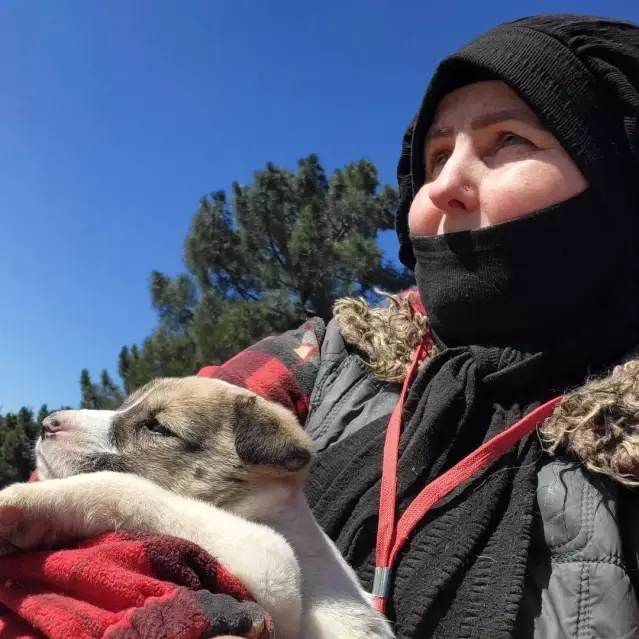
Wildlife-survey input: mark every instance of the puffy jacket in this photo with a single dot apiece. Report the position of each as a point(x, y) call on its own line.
point(581, 581)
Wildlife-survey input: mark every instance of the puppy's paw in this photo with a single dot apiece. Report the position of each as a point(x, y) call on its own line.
point(28, 520)
point(48, 513)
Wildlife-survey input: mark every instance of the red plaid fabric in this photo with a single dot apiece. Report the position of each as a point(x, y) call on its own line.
point(125, 586)
point(281, 368)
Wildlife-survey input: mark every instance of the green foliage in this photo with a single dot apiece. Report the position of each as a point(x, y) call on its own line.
point(282, 249)
point(105, 395)
point(17, 435)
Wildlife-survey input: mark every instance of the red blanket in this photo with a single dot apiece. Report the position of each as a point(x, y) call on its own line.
point(125, 586)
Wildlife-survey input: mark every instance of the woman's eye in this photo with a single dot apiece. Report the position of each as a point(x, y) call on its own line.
point(436, 162)
point(508, 139)
point(440, 159)
point(155, 428)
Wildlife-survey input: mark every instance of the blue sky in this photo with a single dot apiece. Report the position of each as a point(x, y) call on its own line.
point(115, 117)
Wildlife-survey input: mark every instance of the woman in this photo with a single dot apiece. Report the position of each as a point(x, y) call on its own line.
point(519, 214)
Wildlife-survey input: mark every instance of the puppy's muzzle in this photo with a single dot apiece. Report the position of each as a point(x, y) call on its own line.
point(51, 425)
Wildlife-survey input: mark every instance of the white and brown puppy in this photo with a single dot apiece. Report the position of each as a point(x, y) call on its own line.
point(208, 462)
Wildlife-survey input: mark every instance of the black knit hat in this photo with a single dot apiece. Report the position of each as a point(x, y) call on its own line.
point(579, 74)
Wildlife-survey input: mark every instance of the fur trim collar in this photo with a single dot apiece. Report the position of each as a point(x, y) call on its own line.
point(386, 335)
point(598, 424)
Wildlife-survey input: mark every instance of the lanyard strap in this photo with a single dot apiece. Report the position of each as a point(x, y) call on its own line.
point(391, 535)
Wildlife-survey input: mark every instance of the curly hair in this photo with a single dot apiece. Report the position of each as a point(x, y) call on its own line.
point(599, 424)
point(386, 335)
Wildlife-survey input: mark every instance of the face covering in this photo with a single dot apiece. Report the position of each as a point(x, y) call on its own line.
point(521, 283)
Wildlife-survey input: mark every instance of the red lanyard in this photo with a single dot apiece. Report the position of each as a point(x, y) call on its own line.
point(392, 534)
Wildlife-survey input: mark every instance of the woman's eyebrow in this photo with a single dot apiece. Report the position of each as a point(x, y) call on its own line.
point(488, 119)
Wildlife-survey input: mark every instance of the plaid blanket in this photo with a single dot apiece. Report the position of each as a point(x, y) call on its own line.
point(281, 368)
point(125, 586)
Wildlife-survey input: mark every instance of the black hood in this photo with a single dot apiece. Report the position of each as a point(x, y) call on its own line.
point(579, 74)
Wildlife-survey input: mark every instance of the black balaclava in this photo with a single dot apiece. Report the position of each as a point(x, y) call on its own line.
point(522, 311)
point(526, 281)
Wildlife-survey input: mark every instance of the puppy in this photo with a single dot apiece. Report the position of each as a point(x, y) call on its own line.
point(209, 462)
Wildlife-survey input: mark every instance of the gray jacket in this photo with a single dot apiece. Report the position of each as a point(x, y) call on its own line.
point(578, 584)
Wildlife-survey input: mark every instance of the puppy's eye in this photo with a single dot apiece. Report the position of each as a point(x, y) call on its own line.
point(155, 428)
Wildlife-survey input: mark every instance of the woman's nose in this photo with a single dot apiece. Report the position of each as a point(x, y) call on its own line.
point(454, 190)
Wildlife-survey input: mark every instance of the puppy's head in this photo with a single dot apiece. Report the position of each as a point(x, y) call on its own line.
point(196, 436)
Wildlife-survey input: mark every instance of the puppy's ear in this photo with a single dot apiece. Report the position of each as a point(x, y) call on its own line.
point(267, 435)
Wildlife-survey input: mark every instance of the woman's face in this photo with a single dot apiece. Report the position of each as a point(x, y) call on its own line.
point(488, 160)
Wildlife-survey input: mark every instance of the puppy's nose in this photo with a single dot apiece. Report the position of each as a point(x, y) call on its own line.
point(50, 425)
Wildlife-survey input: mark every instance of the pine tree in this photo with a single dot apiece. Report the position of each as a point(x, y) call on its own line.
point(15, 448)
point(89, 396)
point(283, 249)
point(110, 395)
point(43, 413)
point(28, 424)
point(105, 395)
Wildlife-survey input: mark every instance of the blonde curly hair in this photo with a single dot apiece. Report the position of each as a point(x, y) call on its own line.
point(599, 424)
point(386, 335)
